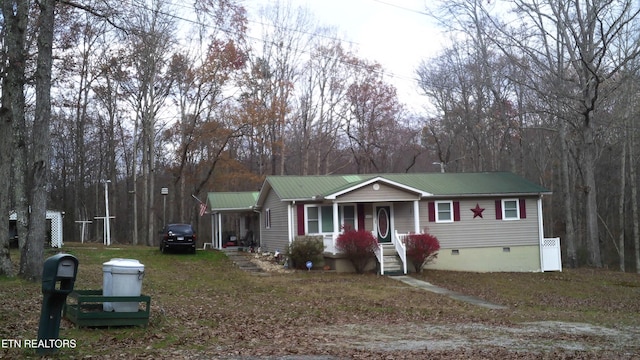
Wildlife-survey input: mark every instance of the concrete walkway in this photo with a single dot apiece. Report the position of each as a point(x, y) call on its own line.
point(241, 260)
point(452, 294)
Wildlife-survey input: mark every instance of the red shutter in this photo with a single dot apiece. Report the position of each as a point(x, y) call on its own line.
point(456, 211)
point(498, 209)
point(523, 209)
point(300, 222)
point(432, 211)
point(360, 217)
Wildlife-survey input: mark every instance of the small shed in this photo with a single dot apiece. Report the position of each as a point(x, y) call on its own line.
point(234, 221)
point(54, 219)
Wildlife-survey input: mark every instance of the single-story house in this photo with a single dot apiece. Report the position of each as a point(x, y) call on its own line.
point(488, 221)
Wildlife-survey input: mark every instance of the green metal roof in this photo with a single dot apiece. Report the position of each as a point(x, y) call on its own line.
point(438, 184)
point(231, 201)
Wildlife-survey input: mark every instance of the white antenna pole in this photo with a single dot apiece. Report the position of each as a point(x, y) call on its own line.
point(107, 238)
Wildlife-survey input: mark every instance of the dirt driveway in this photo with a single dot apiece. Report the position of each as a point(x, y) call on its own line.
point(527, 338)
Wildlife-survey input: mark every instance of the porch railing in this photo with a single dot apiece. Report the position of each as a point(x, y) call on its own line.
point(401, 248)
point(329, 242)
point(380, 256)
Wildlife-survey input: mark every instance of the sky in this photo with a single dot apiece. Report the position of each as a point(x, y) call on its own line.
point(395, 33)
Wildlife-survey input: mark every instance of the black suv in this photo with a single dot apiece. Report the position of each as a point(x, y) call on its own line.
point(178, 236)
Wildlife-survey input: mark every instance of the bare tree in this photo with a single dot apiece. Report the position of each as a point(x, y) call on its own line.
point(200, 78)
point(374, 112)
point(285, 35)
point(323, 88)
point(32, 252)
point(14, 29)
point(570, 53)
point(151, 37)
point(588, 33)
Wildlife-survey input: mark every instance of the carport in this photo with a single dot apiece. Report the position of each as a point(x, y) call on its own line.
point(234, 222)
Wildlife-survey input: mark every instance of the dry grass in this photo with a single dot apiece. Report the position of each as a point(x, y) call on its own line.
point(204, 307)
point(592, 296)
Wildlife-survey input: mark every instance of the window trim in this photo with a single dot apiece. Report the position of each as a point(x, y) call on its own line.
point(340, 218)
point(267, 218)
point(437, 211)
point(306, 218)
point(504, 209)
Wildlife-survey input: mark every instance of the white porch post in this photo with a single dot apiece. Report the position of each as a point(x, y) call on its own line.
point(336, 226)
point(219, 242)
point(213, 230)
point(290, 210)
point(540, 233)
point(416, 216)
point(336, 220)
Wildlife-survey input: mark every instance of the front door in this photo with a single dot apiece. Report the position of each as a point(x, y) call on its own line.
point(383, 223)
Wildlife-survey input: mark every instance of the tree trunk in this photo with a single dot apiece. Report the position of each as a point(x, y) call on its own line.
point(621, 202)
point(633, 182)
point(134, 175)
point(33, 249)
point(570, 237)
point(15, 15)
point(591, 204)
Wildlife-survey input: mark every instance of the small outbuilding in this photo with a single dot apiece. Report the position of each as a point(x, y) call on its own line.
point(54, 220)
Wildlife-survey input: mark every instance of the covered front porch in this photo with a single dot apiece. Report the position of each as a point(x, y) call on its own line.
point(389, 222)
point(234, 222)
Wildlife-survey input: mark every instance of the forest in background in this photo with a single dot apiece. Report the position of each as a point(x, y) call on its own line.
point(196, 97)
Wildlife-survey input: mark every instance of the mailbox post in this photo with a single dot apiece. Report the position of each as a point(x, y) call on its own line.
point(58, 276)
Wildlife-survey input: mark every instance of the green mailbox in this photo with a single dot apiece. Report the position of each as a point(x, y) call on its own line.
point(58, 276)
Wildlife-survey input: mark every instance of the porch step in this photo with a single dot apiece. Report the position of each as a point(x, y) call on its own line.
point(389, 251)
point(392, 262)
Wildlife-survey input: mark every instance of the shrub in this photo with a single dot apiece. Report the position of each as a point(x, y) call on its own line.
point(421, 249)
point(358, 246)
point(303, 249)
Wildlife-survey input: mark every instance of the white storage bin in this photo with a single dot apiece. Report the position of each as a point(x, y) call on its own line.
point(122, 277)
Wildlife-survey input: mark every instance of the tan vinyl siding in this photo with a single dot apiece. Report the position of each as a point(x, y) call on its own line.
point(403, 217)
point(485, 231)
point(276, 237)
point(384, 193)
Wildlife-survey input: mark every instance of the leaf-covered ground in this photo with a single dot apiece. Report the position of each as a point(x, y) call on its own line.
point(203, 307)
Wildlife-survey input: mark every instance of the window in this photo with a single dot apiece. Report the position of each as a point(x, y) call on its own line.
point(326, 217)
point(444, 211)
point(319, 218)
point(348, 216)
point(267, 218)
point(510, 209)
point(313, 220)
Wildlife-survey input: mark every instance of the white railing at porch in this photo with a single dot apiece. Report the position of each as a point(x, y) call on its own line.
point(329, 242)
point(401, 248)
point(380, 256)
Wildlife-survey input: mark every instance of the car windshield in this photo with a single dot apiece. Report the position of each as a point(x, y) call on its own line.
point(184, 229)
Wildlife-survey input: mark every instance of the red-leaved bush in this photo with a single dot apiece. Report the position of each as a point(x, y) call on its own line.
point(358, 246)
point(421, 249)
